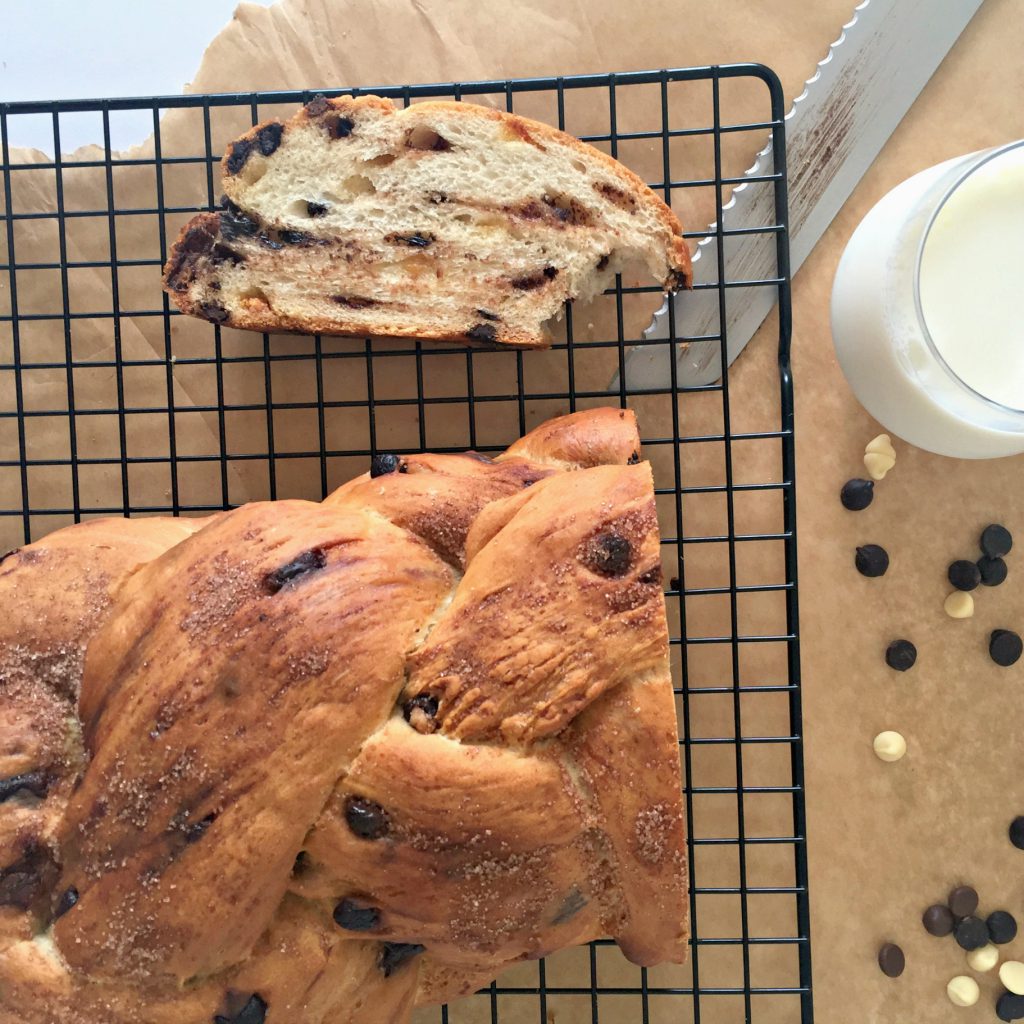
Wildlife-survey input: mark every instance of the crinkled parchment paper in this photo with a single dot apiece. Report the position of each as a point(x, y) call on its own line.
point(884, 839)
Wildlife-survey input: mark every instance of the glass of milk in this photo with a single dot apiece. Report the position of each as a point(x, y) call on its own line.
point(928, 307)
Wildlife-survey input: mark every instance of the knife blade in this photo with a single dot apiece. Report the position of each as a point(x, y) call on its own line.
point(836, 127)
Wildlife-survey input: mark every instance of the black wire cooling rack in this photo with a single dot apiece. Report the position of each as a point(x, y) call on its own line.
point(112, 404)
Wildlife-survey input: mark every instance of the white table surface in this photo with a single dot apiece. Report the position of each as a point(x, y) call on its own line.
point(66, 49)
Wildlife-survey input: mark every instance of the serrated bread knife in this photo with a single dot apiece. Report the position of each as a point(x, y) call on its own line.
point(857, 96)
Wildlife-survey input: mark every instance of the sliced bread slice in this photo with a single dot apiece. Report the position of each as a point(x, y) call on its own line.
point(441, 221)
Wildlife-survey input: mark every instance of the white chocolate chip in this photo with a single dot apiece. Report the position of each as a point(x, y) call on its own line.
point(879, 457)
point(1011, 974)
point(890, 746)
point(963, 991)
point(983, 959)
point(878, 464)
point(959, 605)
point(881, 444)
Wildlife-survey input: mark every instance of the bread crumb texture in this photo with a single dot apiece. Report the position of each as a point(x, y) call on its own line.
point(446, 221)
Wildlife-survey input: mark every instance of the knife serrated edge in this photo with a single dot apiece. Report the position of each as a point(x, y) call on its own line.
point(856, 102)
point(763, 164)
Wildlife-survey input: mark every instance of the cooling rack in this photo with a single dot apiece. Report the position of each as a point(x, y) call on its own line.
point(112, 404)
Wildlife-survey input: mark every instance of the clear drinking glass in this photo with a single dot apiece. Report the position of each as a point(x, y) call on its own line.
point(927, 320)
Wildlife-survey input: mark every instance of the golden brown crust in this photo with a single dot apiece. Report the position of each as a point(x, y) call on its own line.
point(208, 785)
point(274, 810)
point(439, 497)
point(519, 655)
point(596, 437)
point(55, 594)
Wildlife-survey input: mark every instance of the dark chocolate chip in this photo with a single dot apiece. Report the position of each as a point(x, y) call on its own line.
point(1017, 832)
point(340, 127)
point(307, 562)
point(901, 655)
point(36, 783)
point(222, 253)
point(196, 831)
point(1010, 1007)
point(871, 560)
point(358, 917)
point(366, 818)
point(634, 459)
point(996, 541)
point(214, 312)
point(318, 105)
point(971, 933)
point(290, 237)
point(573, 903)
point(652, 576)
point(603, 261)
point(253, 1012)
point(268, 138)
point(963, 901)
point(239, 155)
point(891, 960)
point(1002, 927)
point(964, 575)
point(537, 279)
point(608, 554)
point(417, 241)
point(315, 209)
point(420, 712)
point(234, 223)
point(993, 571)
point(1005, 647)
point(68, 898)
point(485, 333)
point(857, 494)
point(938, 920)
point(487, 314)
point(380, 465)
point(354, 301)
point(394, 954)
point(197, 242)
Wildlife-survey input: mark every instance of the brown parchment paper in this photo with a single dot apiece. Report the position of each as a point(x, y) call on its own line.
point(885, 840)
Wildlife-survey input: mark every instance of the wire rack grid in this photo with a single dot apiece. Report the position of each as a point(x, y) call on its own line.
point(112, 404)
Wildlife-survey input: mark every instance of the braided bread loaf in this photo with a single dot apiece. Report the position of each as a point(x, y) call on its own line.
point(442, 220)
point(333, 761)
